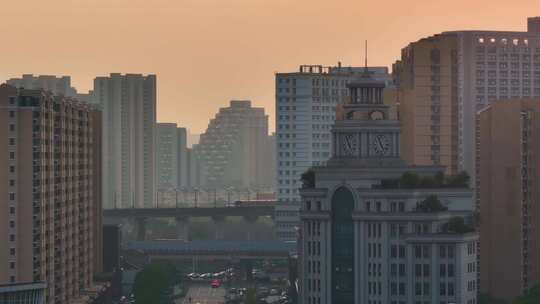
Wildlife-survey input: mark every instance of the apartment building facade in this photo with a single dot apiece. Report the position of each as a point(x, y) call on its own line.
point(444, 80)
point(52, 205)
point(506, 192)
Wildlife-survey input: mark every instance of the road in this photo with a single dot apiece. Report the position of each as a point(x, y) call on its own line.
point(204, 294)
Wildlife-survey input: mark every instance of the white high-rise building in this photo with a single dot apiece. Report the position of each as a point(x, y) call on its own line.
point(305, 110)
point(129, 139)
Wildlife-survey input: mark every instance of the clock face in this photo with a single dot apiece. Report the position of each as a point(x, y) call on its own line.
point(349, 144)
point(380, 144)
point(376, 115)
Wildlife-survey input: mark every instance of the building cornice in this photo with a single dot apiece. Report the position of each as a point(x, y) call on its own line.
point(407, 216)
point(442, 237)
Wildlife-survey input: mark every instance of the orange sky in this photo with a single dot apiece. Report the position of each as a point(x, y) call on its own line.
point(206, 52)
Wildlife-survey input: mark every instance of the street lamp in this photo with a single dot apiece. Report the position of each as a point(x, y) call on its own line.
point(229, 189)
point(215, 198)
point(196, 197)
point(176, 196)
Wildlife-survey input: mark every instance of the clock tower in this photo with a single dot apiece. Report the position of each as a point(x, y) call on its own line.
point(363, 132)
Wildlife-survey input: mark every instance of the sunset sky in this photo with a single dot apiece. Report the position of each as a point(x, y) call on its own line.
point(206, 52)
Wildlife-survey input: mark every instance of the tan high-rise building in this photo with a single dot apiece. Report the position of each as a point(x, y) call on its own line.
point(508, 141)
point(52, 200)
point(444, 80)
point(56, 85)
point(428, 102)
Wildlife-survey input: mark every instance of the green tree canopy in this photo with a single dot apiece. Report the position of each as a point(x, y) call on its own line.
point(251, 296)
point(308, 179)
point(457, 225)
point(409, 180)
point(153, 282)
point(487, 299)
point(431, 204)
point(531, 297)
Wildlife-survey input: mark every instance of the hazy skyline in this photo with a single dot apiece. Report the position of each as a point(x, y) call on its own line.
point(206, 52)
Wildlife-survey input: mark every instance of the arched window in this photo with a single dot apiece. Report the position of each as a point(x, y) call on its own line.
point(342, 247)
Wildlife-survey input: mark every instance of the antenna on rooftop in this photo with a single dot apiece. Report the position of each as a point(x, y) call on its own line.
point(366, 54)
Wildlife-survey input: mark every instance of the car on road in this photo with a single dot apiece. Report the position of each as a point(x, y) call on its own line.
point(215, 283)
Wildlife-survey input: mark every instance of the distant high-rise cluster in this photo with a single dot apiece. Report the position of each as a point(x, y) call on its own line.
point(177, 166)
point(51, 183)
point(236, 150)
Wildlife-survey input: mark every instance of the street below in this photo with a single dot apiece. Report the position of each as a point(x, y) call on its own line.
point(203, 293)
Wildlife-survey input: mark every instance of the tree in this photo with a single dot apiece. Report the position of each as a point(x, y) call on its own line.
point(431, 204)
point(487, 299)
point(532, 296)
point(427, 182)
point(459, 180)
point(251, 296)
point(439, 178)
point(409, 180)
point(152, 283)
point(308, 179)
point(457, 225)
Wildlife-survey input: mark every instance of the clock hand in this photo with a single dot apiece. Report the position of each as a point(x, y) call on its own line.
point(380, 143)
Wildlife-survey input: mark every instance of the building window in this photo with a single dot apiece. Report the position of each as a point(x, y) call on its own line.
point(450, 289)
point(401, 289)
point(450, 270)
point(12, 141)
point(450, 252)
point(442, 270)
point(402, 271)
point(12, 251)
point(418, 289)
point(418, 270)
point(442, 251)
